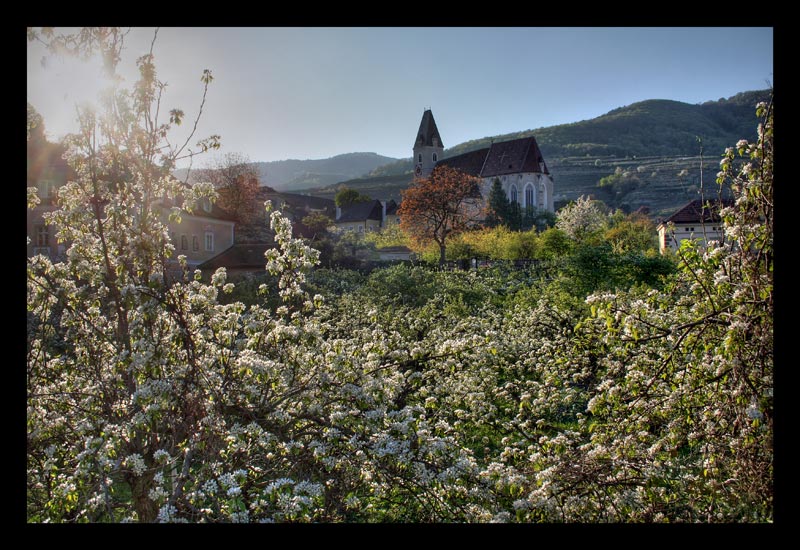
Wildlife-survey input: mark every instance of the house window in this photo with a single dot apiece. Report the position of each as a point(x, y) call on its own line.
point(184, 243)
point(195, 243)
point(435, 157)
point(42, 235)
point(47, 189)
point(420, 158)
point(209, 241)
point(513, 193)
point(529, 195)
point(206, 203)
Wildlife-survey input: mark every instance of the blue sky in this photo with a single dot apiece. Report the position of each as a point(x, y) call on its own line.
point(305, 93)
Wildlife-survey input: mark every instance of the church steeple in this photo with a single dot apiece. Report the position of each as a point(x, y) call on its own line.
point(428, 146)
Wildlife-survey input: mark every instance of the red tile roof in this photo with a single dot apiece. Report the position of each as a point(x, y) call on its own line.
point(698, 211)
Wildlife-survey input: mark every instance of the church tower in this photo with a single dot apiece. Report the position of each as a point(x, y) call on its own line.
point(428, 146)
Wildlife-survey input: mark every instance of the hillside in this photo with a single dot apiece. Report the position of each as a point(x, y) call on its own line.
point(656, 127)
point(293, 174)
point(655, 139)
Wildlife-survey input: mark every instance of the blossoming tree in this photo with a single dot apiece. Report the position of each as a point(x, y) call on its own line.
point(154, 398)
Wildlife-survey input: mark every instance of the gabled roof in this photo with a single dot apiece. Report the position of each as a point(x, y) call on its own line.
point(470, 163)
point(391, 208)
point(427, 131)
point(698, 211)
point(361, 211)
point(504, 157)
point(511, 157)
point(240, 256)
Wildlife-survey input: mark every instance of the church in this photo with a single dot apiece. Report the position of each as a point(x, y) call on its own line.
point(517, 163)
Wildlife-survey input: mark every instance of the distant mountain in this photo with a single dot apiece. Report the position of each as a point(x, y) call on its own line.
point(292, 174)
point(656, 127)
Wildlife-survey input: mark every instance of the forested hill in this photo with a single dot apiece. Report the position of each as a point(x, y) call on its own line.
point(292, 174)
point(655, 127)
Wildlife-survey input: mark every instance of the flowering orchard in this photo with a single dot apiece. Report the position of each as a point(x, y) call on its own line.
point(482, 398)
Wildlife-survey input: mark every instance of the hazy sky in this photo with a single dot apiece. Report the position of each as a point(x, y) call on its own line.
point(304, 93)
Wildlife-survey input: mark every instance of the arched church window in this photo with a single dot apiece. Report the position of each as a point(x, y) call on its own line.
point(420, 158)
point(435, 157)
point(529, 195)
point(512, 193)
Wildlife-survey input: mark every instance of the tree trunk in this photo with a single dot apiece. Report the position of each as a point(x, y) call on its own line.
point(146, 509)
point(442, 257)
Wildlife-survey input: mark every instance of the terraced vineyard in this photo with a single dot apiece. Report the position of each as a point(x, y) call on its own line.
point(666, 182)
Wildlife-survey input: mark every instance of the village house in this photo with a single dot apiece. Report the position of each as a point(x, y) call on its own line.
point(47, 171)
point(361, 216)
point(202, 234)
point(199, 236)
point(697, 220)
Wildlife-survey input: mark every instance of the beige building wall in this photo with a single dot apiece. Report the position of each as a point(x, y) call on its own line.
point(540, 185)
point(42, 236)
point(672, 239)
point(200, 238)
point(362, 226)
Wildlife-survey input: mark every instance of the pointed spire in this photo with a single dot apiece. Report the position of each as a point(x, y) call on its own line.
point(428, 131)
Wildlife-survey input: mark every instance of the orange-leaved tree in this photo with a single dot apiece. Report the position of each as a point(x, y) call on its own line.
point(236, 179)
point(443, 204)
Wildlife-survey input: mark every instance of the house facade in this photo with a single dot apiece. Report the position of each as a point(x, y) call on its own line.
point(518, 164)
point(47, 171)
point(362, 217)
point(696, 220)
point(201, 235)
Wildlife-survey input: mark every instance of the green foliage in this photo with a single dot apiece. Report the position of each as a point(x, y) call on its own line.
point(333, 283)
point(318, 223)
point(554, 243)
point(631, 232)
point(498, 204)
point(391, 235)
point(346, 196)
point(619, 184)
point(499, 243)
point(538, 218)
